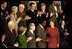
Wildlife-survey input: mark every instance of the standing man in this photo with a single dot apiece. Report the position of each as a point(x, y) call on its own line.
point(40, 33)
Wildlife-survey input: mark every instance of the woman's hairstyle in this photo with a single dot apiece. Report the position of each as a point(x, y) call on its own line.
point(10, 23)
point(60, 22)
point(43, 4)
point(14, 8)
point(22, 29)
point(49, 20)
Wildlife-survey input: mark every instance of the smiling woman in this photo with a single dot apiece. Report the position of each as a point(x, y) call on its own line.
point(22, 37)
point(53, 33)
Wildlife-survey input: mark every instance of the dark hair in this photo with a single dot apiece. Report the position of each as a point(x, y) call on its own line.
point(49, 20)
point(21, 29)
point(61, 21)
point(31, 4)
point(30, 24)
point(42, 20)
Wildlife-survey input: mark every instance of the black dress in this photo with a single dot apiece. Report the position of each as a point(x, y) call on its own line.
point(63, 39)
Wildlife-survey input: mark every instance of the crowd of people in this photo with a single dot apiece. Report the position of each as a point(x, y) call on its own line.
point(32, 27)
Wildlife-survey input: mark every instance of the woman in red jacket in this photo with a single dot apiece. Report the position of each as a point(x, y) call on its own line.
point(53, 35)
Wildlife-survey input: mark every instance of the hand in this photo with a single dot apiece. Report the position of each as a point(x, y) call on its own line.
point(29, 38)
point(57, 45)
point(60, 11)
point(3, 37)
point(38, 39)
point(16, 44)
point(66, 33)
point(18, 20)
point(47, 40)
point(51, 14)
point(6, 17)
point(27, 17)
point(38, 13)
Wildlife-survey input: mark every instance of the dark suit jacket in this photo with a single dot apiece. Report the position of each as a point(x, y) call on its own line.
point(31, 43)
point(63, 39)
point(10, 39)
point(40, 32)
point(22, 21)
point(33, 16)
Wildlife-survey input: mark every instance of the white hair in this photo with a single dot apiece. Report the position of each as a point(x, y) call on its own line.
point(15, 8)
point(21, 5)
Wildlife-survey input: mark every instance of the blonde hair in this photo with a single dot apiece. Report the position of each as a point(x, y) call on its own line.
point(10, 23)
point(22, 28)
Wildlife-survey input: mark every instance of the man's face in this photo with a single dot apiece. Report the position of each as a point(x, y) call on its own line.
point(63, 23)
point(43, 7)
point(44, 23)
point(33, 6)
point(21, 8)
point(5, 4)
point(33, 26)
point(55, 2)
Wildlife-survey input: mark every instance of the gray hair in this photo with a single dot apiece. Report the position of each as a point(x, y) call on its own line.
point(14, 8)
point(21, 5)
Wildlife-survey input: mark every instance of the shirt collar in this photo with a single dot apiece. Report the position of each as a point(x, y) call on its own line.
point(31, 31)
point(23, 33)
point(41, 26)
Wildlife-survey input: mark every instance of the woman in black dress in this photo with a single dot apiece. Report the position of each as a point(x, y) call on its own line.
point(63, 34)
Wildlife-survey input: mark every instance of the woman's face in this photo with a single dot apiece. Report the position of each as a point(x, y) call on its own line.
point(63, 23)
point(43, 7)
point(51, 23)
point(14, 11)
point(33, 6)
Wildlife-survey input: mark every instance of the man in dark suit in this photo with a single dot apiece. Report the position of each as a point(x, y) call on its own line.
point(33, 14)
point(40, 33)
point(22, 13)
point(10, 39)
point(31, 36)
point(42, 12)
point(4, 13)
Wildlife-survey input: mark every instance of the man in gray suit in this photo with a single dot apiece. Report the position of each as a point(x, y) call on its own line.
point(31, 39)
point(40, 33)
